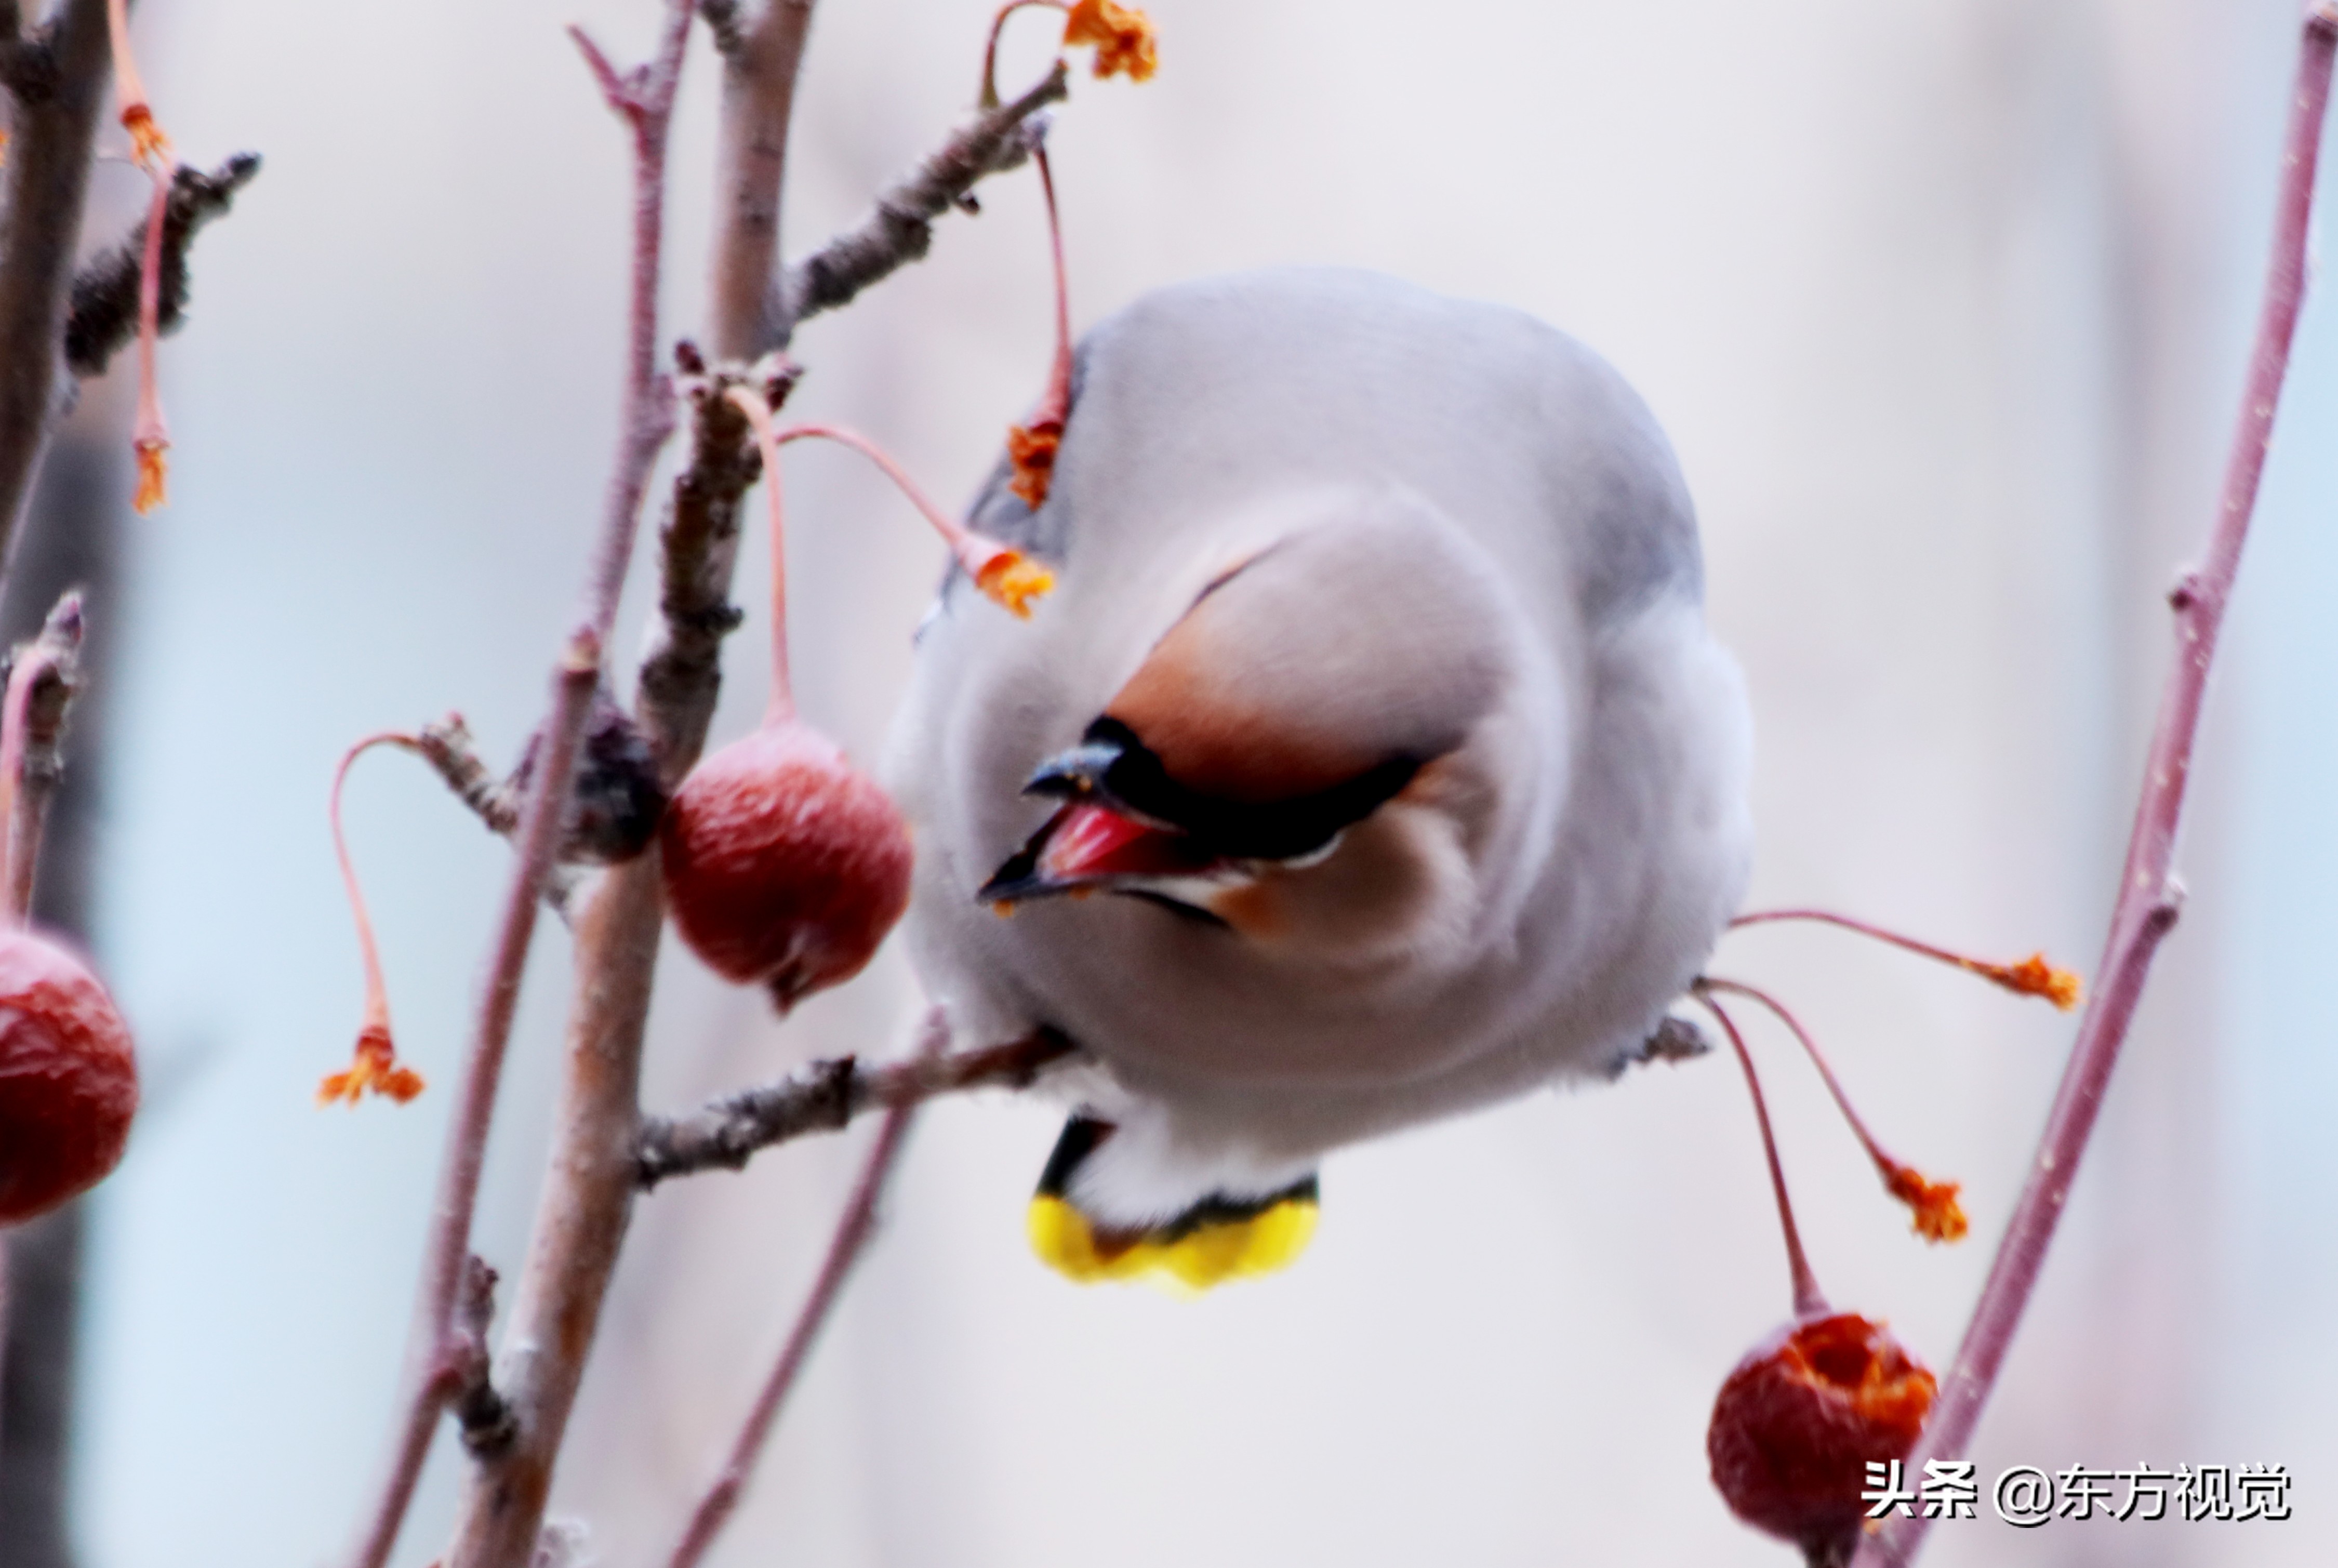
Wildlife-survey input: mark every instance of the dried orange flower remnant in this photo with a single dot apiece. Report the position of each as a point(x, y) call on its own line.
point(1032, 449)
point(1012, 579)
point(154, 476)
point(1937, 1213)
point(375, 1069)
point(2033, 977)
point(147, 143)
point(1122, 35)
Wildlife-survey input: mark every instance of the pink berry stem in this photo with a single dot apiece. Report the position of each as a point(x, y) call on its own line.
point(1055, 403)
point(1866, 928)
point(1809, 1302)
point(2149, 898)
point(970, 548)
point(782, 705)
point(990, 49)
point(151, 437)
point(844, 1249)
point(129, 88)
point(1875, 1150)
point(376, 997)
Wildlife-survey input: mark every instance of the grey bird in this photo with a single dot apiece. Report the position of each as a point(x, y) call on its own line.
point(1376, 707)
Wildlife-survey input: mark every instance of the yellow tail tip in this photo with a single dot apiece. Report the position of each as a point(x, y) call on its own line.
point(1184, 1258)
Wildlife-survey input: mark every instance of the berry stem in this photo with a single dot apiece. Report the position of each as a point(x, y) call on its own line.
point(990, 50)
point(1939, 1218)
point(750, 402)
point(1055, 403)
point(2033, 977)
point(998, 570)
point(1808, 1300)
point(151, 439)
point(377, 998)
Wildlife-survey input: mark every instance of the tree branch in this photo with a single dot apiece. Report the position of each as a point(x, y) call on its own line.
point(42, 185)
point(646, 101)
point(827, 1095)
point(55, 674)
point(759, 59)
point(104, 310)
point(2148, 896)
point(900, 227)
point(853, 1230)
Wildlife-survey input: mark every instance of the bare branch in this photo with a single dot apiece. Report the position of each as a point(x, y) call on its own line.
point(853, 1230)
point(826, 1096)
point(104, 313)
point(2149, 897)
point(486, 1420)
point(43, 183)
point(446, 747)
point(759, 92)
point(722, 20)
point(900, 227)
point(55, 672)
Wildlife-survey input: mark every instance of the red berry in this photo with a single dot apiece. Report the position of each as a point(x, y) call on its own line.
point(68, 1079)
point(783, 864)
point(1798, 1420)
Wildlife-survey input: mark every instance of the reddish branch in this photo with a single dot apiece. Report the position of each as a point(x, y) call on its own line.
point(51, 663)
point(2149, 897)
point(646, 99)
point(844, 1249)
point(586, 1201)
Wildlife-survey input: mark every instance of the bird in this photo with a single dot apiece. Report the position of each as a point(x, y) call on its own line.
point(1370, 763)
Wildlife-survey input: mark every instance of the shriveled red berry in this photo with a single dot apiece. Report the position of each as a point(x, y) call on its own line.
point(1799, 1419)
point(68, 1079)
point(784, 864)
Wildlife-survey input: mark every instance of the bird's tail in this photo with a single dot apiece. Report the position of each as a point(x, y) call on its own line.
point(1221, 1238)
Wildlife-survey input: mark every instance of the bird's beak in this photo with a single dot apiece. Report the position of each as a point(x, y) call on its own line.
point(1085, 845)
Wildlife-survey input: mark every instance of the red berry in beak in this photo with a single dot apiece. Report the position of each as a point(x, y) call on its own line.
point(1800, 1418)
point(68, 1079)
point(784, 864)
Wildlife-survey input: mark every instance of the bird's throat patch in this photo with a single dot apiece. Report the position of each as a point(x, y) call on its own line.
point(1217, 1239)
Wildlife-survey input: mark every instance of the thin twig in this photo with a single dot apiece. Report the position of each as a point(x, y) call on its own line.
point(2148, 896)
point(853, 1230)
point(824, 1097)
point(42, 185)
point(900, 227)
point(424, 1387)
point(104, 311)
point(52, 663)
point(577, 1230)
point(646, 99)
point(448, 747)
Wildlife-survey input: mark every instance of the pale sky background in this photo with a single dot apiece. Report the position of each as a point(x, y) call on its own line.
point(1945, 307)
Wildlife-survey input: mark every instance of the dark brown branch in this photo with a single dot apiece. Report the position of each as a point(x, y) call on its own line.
point(43, 186)
point(446, 747)
point(484, 1416)
point(826, 1096)
point(900, 227)
point(698, 545)
point(104, 311)
point(723, 22)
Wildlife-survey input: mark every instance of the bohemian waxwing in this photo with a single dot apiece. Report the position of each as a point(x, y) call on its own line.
point(1375, 701)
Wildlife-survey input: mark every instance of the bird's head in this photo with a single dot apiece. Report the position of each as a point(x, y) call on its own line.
point(1312, 755)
